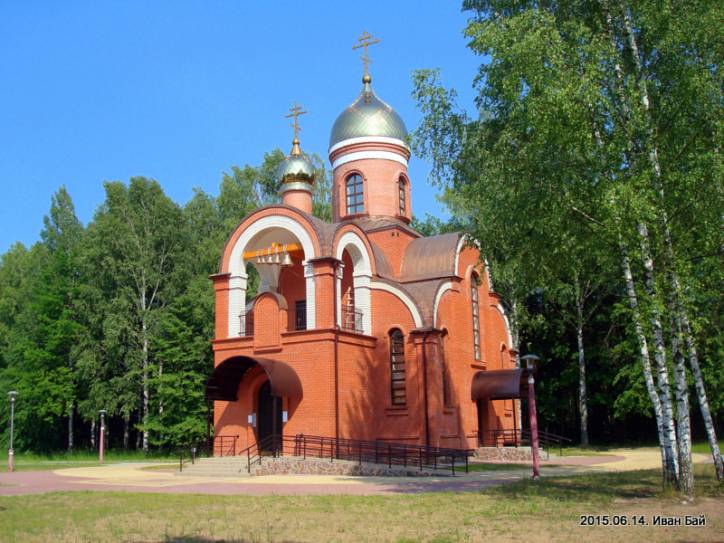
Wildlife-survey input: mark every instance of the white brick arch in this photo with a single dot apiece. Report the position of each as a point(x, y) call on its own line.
point(361, 278)
point(447, 285)
point(237, 267)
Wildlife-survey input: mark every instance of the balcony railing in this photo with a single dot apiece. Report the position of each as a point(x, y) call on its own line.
point(246, 323)
point(352, 318)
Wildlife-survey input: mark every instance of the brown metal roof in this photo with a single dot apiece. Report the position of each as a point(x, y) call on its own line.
point(224, 381)
point(498, 384)
point(383, 266)
point(372, 224)
point(430, 258)
point(423, 292)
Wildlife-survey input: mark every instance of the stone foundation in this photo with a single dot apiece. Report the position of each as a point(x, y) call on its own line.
point(294, 465)
point(507, 454)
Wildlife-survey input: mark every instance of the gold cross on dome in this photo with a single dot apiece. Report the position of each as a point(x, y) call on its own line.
point(365, 40)
point(295, 111)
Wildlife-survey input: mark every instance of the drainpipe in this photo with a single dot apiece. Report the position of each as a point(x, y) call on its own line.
point(336, 354)
point(424, 381)
point(208, 428)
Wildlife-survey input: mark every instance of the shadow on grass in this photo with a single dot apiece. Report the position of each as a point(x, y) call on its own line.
point(196, 539)
point(485, 466)
point(605, 486)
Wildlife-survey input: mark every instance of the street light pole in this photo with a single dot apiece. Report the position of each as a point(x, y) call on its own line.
point(531, 361)
point(12, 395)
point(101, 441)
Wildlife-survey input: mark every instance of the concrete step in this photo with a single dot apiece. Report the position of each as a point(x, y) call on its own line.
point(226, 466)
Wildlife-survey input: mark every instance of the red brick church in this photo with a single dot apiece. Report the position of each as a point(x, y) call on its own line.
point(362, 328)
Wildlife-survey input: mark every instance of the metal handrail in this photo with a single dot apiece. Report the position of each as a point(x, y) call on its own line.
point(254, 452)
point(246, 323)
point(382, 452)
point(352, 318)
point(194, 451)
point(523, 437)
point(377, 452)
point(226, 445)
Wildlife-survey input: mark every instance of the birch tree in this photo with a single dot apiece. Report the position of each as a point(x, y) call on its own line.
point(568, 131)
point(139, 232)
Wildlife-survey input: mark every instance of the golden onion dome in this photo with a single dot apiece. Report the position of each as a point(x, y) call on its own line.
point(296, 170)
point(367, 116)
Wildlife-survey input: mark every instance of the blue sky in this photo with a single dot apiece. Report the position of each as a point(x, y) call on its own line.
point(180, 91)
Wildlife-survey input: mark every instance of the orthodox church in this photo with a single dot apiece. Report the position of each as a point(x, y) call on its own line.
point(361, 328)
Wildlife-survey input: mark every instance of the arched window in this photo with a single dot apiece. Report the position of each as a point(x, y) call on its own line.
point(402, 196)
point(355, 194)
point(397, 367)
point(474, 281)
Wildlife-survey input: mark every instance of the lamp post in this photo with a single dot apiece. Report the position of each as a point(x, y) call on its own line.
point(12, 395)
point(101, 441)
point(531, 361)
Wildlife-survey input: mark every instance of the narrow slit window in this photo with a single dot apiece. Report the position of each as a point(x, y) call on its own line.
point(300, 315)
point(355, 194)
point(402, 196)
point(476, 316)
point(397, 368)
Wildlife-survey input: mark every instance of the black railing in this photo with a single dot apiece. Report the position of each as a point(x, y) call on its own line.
point(189, 453)
point(352, 318)
point(269, 446)
point(225, 445)
point(515, 438)
point(501, 438)
point(355, 450)
point(246, 323)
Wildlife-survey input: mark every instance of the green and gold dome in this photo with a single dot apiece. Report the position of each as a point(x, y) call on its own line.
point(296, 171)
point(367, 116)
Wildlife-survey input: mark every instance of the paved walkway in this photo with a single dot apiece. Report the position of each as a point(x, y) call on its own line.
point(131, 477)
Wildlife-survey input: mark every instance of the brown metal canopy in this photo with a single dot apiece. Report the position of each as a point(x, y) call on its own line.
point(224, 381)
point(499, 384)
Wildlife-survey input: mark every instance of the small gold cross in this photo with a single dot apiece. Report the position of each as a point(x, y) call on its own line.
point(295, 112)
point(365, 40)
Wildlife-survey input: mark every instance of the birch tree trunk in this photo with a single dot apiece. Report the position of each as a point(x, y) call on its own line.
point(686, 474)
point(662, 372)
point(158, 392)
point(643, 349)
point(701, 396)
point(144, 379)
point(582, 393)
point(675, 284)
point(71, 412)
point(93, 434)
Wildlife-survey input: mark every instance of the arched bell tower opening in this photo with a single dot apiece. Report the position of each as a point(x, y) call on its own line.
point(354, 303)
point(278, 248)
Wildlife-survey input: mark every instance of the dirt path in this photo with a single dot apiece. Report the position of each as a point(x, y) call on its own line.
point(131, 477)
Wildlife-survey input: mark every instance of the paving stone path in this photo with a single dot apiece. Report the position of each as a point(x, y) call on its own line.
point(133, 478)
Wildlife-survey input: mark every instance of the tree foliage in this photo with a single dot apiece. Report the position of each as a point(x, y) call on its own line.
point(592, 120)
point(118, 314)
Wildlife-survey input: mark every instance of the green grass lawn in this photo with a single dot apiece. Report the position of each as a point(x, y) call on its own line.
point(593, 450)
point(28, 461)
point(601, 450)
point(703, 447)
point(544, 510)
point(490, 466)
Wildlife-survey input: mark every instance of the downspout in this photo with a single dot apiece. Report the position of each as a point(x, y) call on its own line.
point(424, 385)
point(336, 354)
